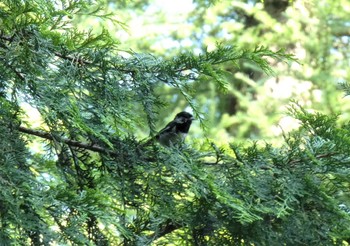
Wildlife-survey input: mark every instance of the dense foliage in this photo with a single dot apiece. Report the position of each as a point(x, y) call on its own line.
point(74, 169)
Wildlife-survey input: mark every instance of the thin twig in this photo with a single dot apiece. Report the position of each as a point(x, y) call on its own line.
point(320, 156)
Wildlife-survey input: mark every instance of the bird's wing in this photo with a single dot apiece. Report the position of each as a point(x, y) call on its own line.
point(170, 127)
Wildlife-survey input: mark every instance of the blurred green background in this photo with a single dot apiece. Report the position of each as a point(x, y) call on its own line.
point(254, 105)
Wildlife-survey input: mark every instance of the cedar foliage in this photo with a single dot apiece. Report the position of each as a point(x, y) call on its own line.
point(94, 183)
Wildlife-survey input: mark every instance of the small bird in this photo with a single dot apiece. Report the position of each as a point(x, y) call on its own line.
point(175, 131)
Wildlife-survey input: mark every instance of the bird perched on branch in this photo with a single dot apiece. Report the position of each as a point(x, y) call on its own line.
point(175, 131)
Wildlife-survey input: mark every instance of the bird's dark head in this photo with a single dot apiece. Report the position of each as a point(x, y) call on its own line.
point(183, 117)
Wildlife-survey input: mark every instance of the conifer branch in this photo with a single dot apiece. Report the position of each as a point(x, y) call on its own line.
point(77, 60)
point(70, 142)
